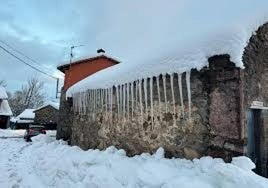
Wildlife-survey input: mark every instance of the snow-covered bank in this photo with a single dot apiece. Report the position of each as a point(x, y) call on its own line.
point(49, 163)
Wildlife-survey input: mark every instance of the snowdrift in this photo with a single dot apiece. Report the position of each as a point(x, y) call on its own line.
point(59, 165)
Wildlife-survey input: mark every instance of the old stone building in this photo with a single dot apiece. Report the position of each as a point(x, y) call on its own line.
point(47, 115)
point(218, 110)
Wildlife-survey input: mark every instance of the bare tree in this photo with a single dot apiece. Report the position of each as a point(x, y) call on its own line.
point(31, 95)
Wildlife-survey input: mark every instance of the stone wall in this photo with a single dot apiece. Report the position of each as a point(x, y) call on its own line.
point(65, 118)
point(226, 108)
point(256, 88)
point(47, 114)
point(179, 135)
point(214, 128)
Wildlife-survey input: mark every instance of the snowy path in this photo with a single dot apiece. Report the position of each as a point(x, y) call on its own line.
point(49, 163)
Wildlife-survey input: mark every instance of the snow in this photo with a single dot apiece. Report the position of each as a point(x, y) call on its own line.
point(178, 57)
point(5, 109)
point(53, 104)
point(27, 114)
point(3, 93)
point(83, 58)
point(49, 163)
point(20, 133)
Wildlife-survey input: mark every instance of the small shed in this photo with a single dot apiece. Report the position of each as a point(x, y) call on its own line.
point(5, 111)
point(47, 115)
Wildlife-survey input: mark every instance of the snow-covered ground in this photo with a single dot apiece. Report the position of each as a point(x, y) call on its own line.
point(20, 133)
point(49, 163)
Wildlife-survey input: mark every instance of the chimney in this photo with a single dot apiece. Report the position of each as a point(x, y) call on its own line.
point(99, 51)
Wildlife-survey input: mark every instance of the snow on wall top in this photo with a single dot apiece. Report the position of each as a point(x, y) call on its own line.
point(5, 109)
point(53, 104)
point(27, 114)
point(178, 57)
point(177, 60)
point(3, 93)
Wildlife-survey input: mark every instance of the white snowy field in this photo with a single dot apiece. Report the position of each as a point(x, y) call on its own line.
point(49, 163)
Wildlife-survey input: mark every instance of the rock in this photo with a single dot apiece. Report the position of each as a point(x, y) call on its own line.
point(190, 153)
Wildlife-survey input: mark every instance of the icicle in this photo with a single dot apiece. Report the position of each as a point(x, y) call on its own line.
point(127, 101)
point(145, 95)
point(78, 103)
point(136, 94)
point(118, 101)
point(73, 103)
point(90, 101)
point(124, 101)
point(101, 99)
point(87, 101)
point(95, 102)
point(83, 103)
point(106, 100)
point(181, 96)
point(140, 95)
point(152, 102)
point(132, 99)
point(111, 103)
point(173, 97)
point(165, 91)
point(188, 74)
point(74, 100)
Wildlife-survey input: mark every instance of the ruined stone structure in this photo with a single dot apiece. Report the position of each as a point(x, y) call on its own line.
point(207, 112)
point(47, 115)
point(65, 118)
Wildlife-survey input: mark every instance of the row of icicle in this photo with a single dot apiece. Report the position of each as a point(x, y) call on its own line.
point(128, 99)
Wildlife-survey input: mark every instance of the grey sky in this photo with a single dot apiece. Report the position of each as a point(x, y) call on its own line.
point(127, 30)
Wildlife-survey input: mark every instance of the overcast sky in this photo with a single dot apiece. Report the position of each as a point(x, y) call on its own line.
point(129, 30)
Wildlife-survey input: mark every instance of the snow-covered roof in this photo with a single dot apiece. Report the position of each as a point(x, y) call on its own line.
point(17, 120)
point(66, 64)
point(3, 93)
point(178, 57)
point(53, 104)
point(27, 114)
point(5, 109)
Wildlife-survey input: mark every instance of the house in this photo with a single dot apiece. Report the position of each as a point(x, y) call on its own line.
point(23, 120)
point(76, 71)
point(212, 100)
point(5, 111)
point(47, 115)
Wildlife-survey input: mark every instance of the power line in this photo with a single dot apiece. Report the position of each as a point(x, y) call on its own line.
point(22, 54)
point(21, 60)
